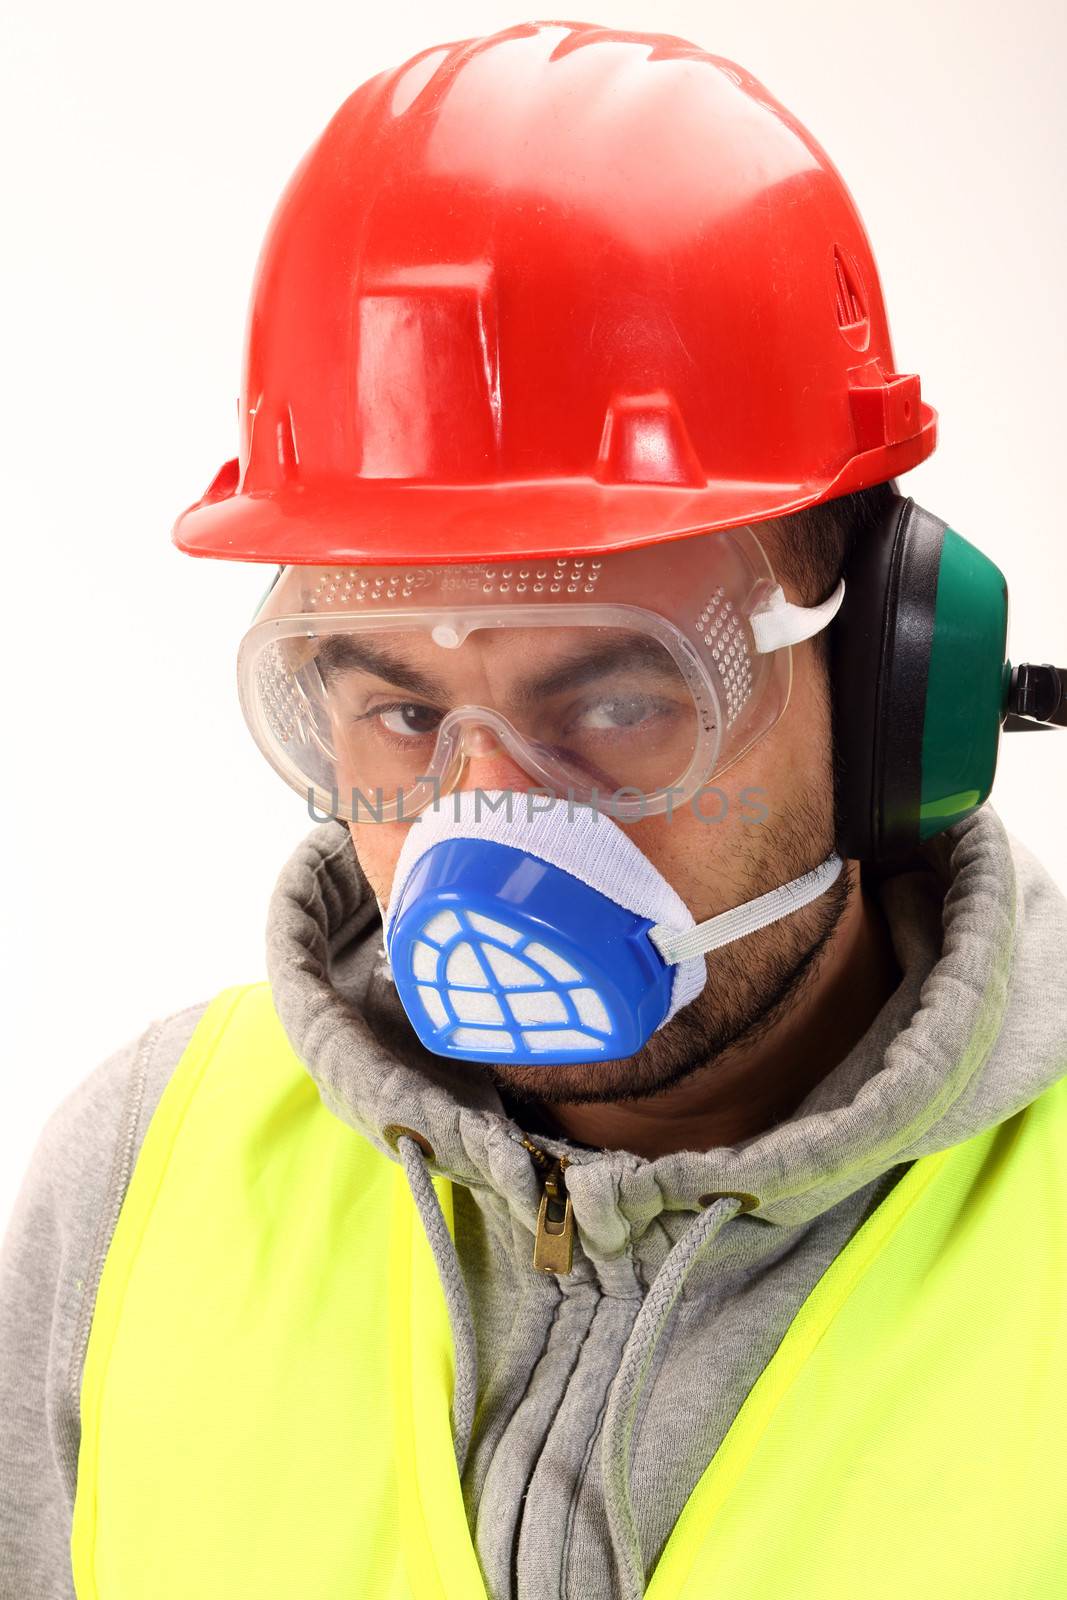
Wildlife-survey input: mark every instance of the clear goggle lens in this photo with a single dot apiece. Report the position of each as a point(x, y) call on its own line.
point(371, 690)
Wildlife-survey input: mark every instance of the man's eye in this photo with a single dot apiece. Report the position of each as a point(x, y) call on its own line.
point(629, 712)
point(408, 718)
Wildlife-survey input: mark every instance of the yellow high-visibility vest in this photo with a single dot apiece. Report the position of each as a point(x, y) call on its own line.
point(266, 1394)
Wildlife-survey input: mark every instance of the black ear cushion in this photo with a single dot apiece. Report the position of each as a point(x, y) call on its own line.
point(880, 643)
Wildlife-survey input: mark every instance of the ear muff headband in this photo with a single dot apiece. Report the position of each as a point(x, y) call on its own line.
point(919, 683)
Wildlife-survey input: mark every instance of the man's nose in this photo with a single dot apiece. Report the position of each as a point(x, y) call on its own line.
point(489, 765)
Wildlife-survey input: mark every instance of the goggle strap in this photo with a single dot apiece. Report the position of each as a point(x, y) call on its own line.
point(677, 947)
point(779, 622)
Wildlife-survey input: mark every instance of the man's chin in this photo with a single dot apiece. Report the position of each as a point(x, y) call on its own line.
point(670, 1055)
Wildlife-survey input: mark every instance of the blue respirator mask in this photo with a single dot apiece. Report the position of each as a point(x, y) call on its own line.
point(545, 935)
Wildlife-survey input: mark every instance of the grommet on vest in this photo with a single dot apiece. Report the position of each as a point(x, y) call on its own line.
point(394, 1130)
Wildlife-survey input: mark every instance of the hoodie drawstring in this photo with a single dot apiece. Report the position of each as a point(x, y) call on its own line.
point(640, 1348)
point(460, 1316)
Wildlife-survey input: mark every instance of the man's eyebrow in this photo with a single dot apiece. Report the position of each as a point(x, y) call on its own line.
point(340, 654)
point(636, 652)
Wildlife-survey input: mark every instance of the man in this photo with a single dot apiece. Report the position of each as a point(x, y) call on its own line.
point(615, 1189)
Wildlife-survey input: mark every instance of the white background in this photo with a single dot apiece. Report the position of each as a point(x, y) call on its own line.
point(145, 148)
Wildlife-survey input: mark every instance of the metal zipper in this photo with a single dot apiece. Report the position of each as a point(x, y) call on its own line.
point(554, 1238)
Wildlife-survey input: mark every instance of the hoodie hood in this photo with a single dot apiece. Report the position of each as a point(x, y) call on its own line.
point(974, 1031)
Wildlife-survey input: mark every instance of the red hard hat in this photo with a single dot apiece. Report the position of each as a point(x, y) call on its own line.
point(559, 289)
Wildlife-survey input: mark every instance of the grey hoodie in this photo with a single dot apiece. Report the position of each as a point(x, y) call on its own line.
point(587, 1406)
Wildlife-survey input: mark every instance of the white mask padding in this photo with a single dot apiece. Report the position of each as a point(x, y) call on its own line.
point(779, 622)
point(588, 845)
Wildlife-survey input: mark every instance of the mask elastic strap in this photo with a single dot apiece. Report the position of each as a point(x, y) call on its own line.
point(676, 947)
point(779, 622)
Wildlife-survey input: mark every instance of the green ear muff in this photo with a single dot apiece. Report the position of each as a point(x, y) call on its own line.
point(919, 683)
point(967, 686)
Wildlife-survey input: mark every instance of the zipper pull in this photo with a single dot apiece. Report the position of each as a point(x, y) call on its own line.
point(554, 1239)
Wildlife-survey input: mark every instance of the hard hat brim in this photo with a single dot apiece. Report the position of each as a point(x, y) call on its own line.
point(385, 521)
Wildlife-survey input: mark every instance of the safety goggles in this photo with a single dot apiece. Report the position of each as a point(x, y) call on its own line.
point(626, 681)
